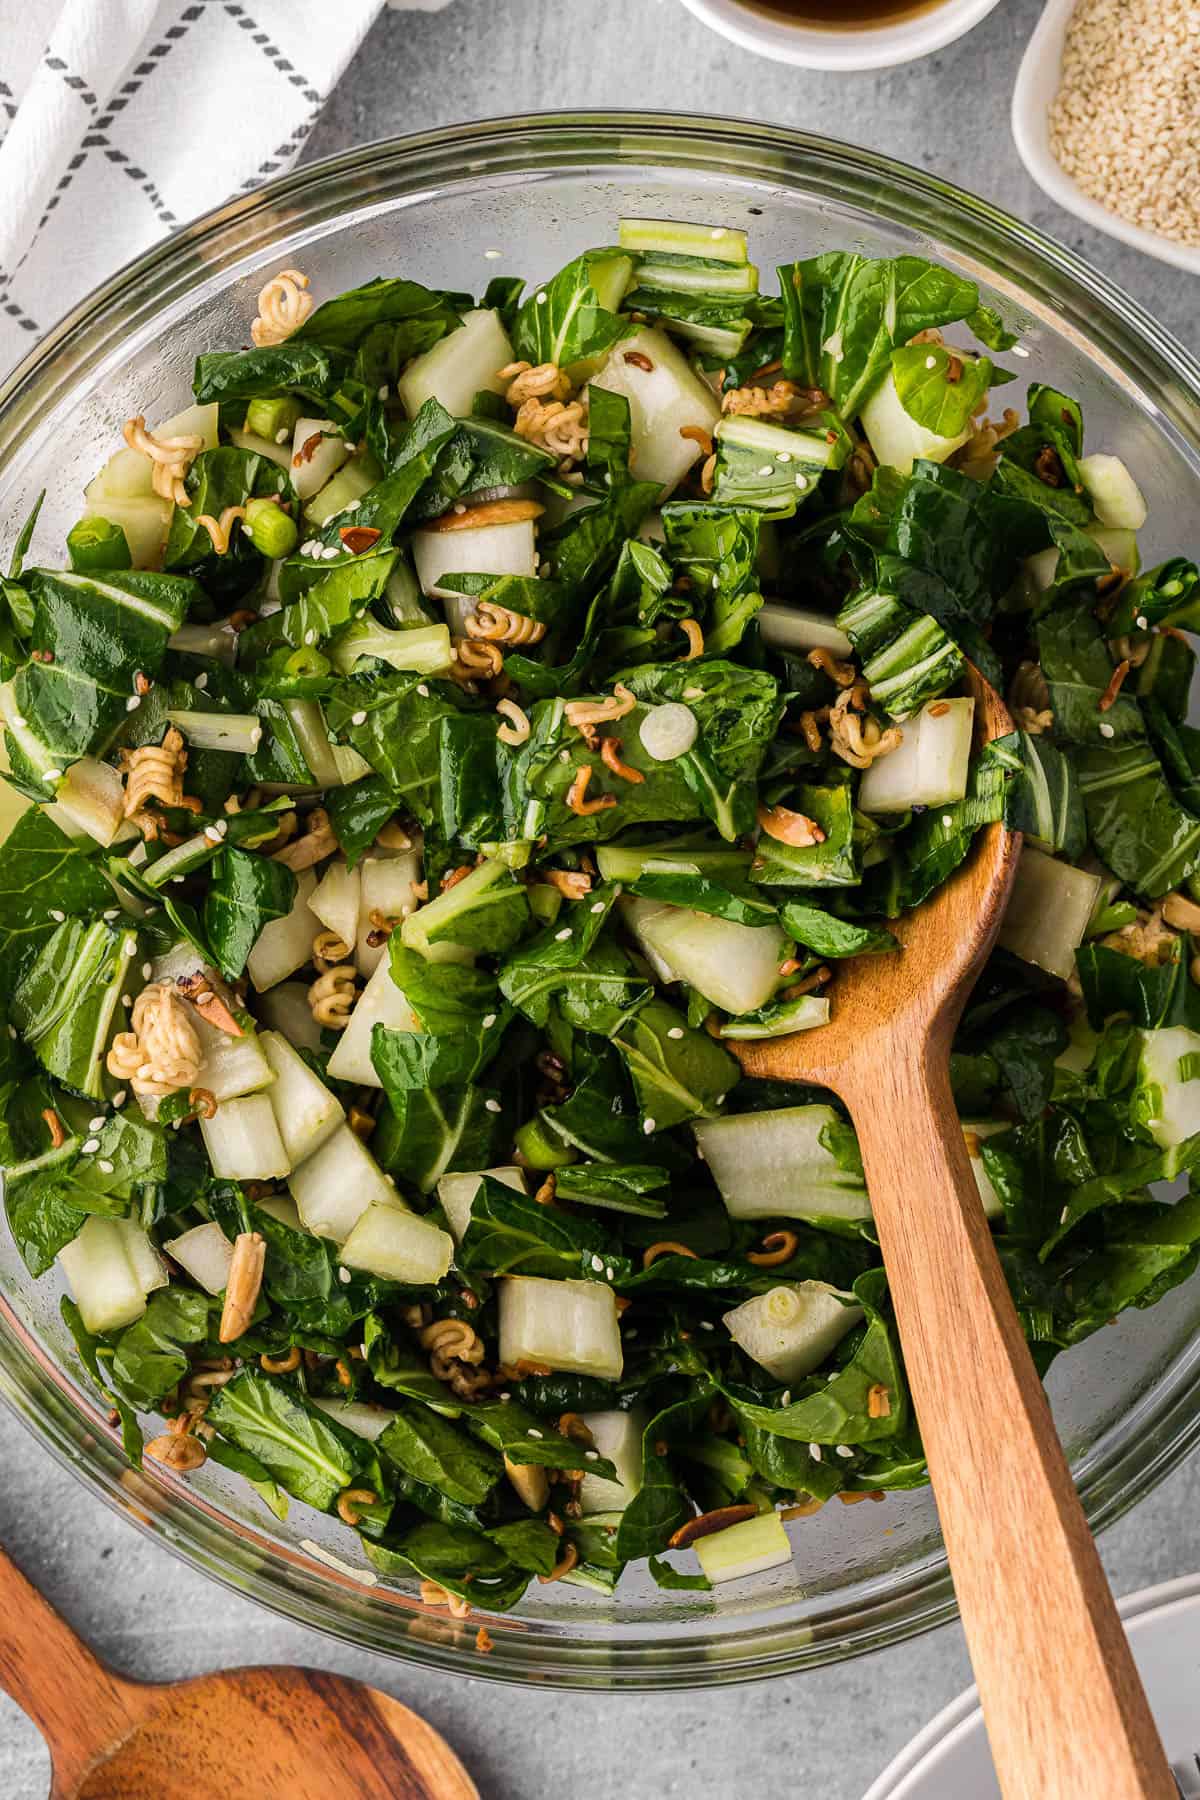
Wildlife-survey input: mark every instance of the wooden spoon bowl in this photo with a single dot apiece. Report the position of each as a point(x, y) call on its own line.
point(1064, 1707)
point(244, 1734)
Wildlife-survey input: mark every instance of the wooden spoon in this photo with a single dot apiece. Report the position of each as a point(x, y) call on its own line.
point(1063, 1703)
point(248, 1734)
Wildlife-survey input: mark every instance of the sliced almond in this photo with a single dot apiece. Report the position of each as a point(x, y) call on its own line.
point(493, 512)
point(704, 1524)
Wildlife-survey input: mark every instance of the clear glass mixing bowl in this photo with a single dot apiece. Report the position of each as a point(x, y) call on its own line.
point(538, 190)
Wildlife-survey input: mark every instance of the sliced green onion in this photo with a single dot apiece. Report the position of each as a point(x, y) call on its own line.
point(267, 418)
point(95, 544)
point(668, 731)
point(270, 529)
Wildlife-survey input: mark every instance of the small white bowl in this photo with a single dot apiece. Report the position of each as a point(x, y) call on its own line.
point(1037, 84)
point(870, 47)
point(950, 1758)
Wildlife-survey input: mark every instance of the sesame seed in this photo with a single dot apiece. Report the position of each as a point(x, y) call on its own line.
point(105, 1165)
point(202, 681)
point(504, 1396)
point(489, 1019)
point(281, 436)
point(344, 1275)
point(52, 775)
point(1140, 622)
point(493, 1106)
point(1106, 730)
point(459, 508)
point(814, 1450)
point(563, 936)
point(1018, 350)
point(132, 704)
point(608, 1274)
point(352, 506)
point(113, 912)
point(947, 821)
point(310, 638)
point(12, 1032)
point(676, 1031)
point(534, 1432)
point(564, 756)
point(422, 690)
point(931, 362)
point(598, 907)
point(56, 915)
point(358, 718)
point(126, 999)
point(649, 1126)
point(330, 552)
point(591, 1456)
point(383, 391)
point(707, 1325)
point(492, 255)
point(784, 456)
point(1064, 1215)
point(785, 1399)
point(120, 1098)
point(212, 834)
point(540, 299)
point(597, 1264)
point(767, 469)
point(91, 1145)
point(147, 971)
point(844, 1450)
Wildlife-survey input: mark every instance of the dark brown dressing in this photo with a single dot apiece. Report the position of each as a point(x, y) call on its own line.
point(848, 15)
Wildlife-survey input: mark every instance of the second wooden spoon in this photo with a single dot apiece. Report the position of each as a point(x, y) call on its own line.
point(241, 1734)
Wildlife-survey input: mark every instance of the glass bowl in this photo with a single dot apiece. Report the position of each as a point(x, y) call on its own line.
point(537, 191)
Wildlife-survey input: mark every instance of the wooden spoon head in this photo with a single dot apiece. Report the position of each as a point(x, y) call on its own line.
point(274, 1734)
point(920, 992)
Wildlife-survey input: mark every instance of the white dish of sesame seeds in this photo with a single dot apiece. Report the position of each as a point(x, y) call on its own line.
point(1037, 85)
point(949, 1759)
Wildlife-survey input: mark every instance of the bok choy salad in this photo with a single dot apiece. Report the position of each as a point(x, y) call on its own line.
point(454, 734)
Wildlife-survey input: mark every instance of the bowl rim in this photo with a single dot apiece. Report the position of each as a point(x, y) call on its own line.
point(755, 158)
point(882, 46)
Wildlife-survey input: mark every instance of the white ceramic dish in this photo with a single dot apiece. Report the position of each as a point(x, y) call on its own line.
point(949, 1759)
point(1037, 84)
point(814, 47)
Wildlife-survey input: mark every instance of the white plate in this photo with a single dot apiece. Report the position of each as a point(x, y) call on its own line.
point(1037, 84)
point(949, 1759)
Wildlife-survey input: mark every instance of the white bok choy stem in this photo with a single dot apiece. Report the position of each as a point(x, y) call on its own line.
point(570, 1325)
point(238, 733)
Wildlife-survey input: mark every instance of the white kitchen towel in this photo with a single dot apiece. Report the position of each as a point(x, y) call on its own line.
point(120, 120)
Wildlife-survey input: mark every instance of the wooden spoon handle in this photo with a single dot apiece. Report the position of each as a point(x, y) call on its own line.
point(77, 1705)
point(1063, 1702)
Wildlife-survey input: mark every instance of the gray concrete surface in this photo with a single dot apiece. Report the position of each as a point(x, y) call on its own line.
point(818, 1737)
